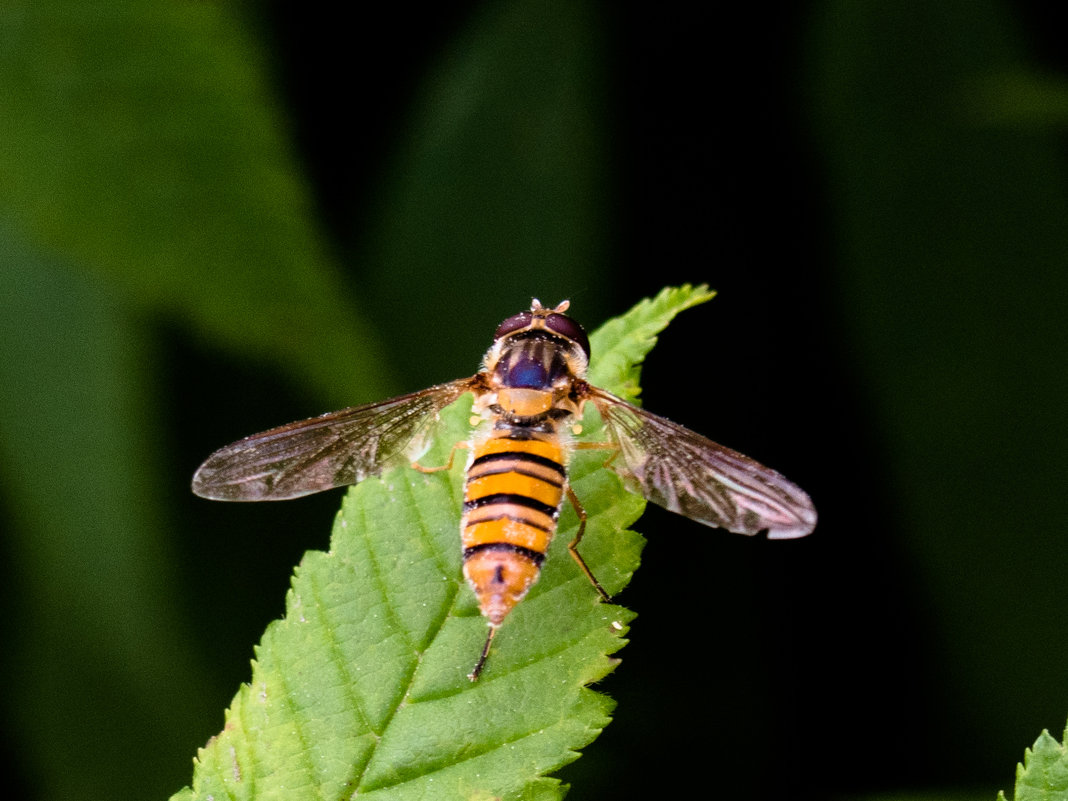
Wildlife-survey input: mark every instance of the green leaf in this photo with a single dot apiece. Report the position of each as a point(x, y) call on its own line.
point(1043, 776)
point(361, 689)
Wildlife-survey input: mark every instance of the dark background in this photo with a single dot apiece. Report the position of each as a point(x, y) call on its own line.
point(877, 193)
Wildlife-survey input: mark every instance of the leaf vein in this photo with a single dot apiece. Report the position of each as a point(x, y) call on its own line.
point(446, 611)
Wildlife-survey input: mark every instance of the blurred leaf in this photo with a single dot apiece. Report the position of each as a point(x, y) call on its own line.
point(1022, 99)
point(1043, 776)
point(953, 245)
point(90, 639)
point(499, 187)
point(362, 687)
point(144, 176)
point(141, 142)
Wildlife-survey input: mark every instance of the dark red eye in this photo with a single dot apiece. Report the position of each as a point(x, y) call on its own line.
point(513, 323)
point(566, 327)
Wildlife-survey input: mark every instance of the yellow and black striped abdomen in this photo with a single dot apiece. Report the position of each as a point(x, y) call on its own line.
point(515, 483)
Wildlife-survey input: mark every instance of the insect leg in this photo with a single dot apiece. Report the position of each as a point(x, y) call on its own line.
point(464, 445)
point(573, 546)
point(600, 446)
point(481, 663)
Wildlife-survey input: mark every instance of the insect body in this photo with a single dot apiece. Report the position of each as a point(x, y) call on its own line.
point(529, 397)
point(515, 484)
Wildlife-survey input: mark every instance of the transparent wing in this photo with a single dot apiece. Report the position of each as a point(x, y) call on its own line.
point(689, 474)
point(334, 450)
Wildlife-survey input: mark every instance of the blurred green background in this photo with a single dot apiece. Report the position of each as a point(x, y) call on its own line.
point(215, 218)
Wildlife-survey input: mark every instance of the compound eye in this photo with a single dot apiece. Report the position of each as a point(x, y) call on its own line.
point(566, 327)
point(516, 322)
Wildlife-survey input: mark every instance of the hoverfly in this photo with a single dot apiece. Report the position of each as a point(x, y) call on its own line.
point(529, 397)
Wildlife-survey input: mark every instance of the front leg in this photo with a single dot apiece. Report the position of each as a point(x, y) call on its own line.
point(464, 445)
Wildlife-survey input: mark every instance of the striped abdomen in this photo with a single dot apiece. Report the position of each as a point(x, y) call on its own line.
point(515, 483)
